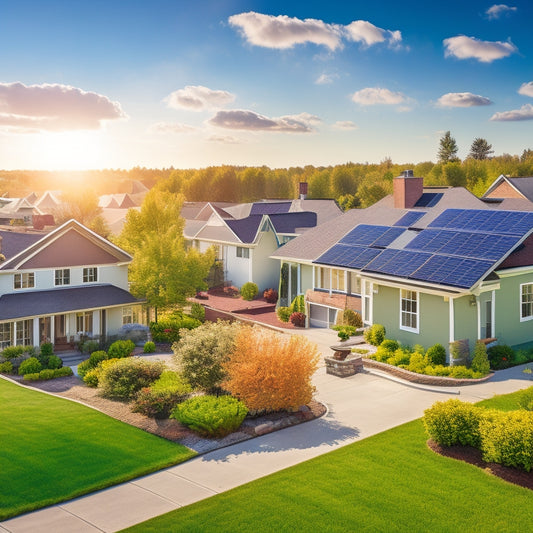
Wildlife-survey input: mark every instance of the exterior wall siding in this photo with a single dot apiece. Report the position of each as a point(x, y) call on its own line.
point(265, 271)
point(465, 320)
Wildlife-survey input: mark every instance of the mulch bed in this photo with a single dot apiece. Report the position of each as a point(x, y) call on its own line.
point(170, 429)
point(473, 456)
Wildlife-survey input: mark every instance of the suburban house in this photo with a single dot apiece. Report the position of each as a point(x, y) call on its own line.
point(505, 187)
point(61, 286)
point(246, 235)
point(430, 264)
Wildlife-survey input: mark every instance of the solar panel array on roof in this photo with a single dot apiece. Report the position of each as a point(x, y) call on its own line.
point(410, 218)
point(459, 248)
point(429, 199)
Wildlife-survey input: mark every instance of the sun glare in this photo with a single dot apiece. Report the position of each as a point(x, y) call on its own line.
point(79, 150)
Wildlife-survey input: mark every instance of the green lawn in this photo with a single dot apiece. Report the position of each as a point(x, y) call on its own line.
point(53, 450)
point(388, 482)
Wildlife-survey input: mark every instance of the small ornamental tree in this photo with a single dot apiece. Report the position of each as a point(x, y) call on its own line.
point(202, 351)
point(480, 361)
point(269, 372)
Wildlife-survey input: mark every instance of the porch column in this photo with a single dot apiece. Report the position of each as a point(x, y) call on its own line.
point(14, 340)
point(478, 305)
point(52, 329)
point(36, 332)
point(452, 320)
point(493, 313)
point(96, 323)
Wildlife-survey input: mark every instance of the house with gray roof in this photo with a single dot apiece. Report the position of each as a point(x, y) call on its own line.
point(507, 187)
point(430, 264)
point(61, 286)
point(245, 235)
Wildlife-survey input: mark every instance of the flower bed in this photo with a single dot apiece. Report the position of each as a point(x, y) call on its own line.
point(423, 379)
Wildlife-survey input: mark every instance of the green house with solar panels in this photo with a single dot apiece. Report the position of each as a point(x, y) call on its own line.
point(430, 264)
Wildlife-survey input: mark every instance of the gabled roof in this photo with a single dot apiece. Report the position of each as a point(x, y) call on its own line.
point(14, 242)
point(523, 186)
point(457, 249)
point(245, 228)
point(79, 246)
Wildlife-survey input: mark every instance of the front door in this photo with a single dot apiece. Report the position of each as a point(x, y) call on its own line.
point(60, 329)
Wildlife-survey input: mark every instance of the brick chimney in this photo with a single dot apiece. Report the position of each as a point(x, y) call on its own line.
point(407, 190)
point(302, 190)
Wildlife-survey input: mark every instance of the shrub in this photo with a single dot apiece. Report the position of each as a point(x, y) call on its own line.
point(83, 368)
point(33, 376)
point(507, 438)
point(375, 335)
point(149, 347)
point(453, 422)
point(521, 357)
point(89, 346)
point(30, 366)
point(352, 318)
point(480, 361)
point(283, 313)
point(500, 356)
point(197, 312)
point(417, 363)
point(211, 416)
point(401, 356)
point(343, 334)
point(90, 378)
point(162, 396)
point(460, 352)
point(389, 345)
point(11, 352)
point(298, 319)
point(269, 372)
point(298, 304)
point(47, 349)
point(461, 372)
point(97, 357)
point(202, 351)
point(525, 399)
point(54, 362)
point(125, 377)
point(249, 291)
point(436, 355)
point(120, 349)
point(47, 373)
point(271, 296)
point(6, 367)
point(168, 329)
point(63, 372)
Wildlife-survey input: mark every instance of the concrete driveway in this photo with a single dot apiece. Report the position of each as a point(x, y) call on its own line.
point(358, 407)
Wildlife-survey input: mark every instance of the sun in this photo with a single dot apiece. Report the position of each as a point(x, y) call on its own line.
point(74, 150)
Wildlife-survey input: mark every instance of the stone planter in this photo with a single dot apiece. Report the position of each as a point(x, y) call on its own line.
point(343, 368)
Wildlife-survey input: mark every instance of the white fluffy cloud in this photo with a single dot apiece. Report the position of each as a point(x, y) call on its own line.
point(54, 107)
point(524, 113)
point(464, 47)
point(498, 10)
point(198, 98)
point(345, 125)
point(324, 79)
point(240, 119)
point(285, 32)
point(171, 128)
point(365, 32)
point(526, 89)
point(377, 96)
point(462, 100)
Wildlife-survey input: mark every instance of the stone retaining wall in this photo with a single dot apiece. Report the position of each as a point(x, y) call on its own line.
point(413, 377)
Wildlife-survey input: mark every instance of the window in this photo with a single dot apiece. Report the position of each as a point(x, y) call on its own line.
point(24, 332)
point(24, 281)
point(331, 279)
point(243, 252)
point(130, 315)
point(526, 301)
point(90, 274)
point(84, 323)
point(62, 276)
point(338, 280)
point(354, 282)
point(5, 335)
point(322, 278)
point(409, 310)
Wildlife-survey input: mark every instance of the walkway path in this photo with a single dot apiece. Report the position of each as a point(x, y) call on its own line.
point(359, 407)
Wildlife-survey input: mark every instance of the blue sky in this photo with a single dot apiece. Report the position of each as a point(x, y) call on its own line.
point(183, 83)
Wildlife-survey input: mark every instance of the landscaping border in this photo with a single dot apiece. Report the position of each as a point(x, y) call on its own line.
point(423, 379)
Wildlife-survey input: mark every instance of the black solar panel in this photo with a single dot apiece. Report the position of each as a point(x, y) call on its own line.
point(388, 237)
point(400, 263)
point(364, 235)
point(410, 218)
point(342, 255)
point(429, 199)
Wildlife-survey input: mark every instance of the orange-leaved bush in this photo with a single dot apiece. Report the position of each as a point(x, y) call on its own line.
point(269, 372)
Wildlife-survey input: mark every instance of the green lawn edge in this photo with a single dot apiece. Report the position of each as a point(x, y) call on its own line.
point(53, 450)
point(388, 482)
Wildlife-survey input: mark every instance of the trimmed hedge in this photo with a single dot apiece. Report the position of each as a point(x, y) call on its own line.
point(375, 334)
point(283, 313)
point(49, 373)
point(149, 347)
point(30, 366)
point(120, 349)
point(211, 416)
point(249, 291)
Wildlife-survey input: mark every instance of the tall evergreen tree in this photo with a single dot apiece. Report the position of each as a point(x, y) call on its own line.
point(480, 149)
point(447, 149)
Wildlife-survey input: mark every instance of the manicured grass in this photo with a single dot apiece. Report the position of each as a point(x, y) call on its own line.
point(503, 402)
point(388, 482)
point(53, 450)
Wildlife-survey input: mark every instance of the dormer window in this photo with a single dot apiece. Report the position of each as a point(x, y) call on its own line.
point(62, 276)
point(25, 280)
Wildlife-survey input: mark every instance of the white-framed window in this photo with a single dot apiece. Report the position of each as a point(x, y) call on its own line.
point(25, 280)
point(62, 276)
point(409, 310)
point(368, 288)
point(243, 252)
point(331, 279)
point(84, 322)
point(130, 315)
point(338, 280)
point(322, 278)
point(90, 274)
point(526, 301)
point(354, 283)
point(24, 332)
point(5, 335)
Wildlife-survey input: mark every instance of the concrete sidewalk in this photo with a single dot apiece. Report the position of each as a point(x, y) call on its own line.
point(358, 407)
